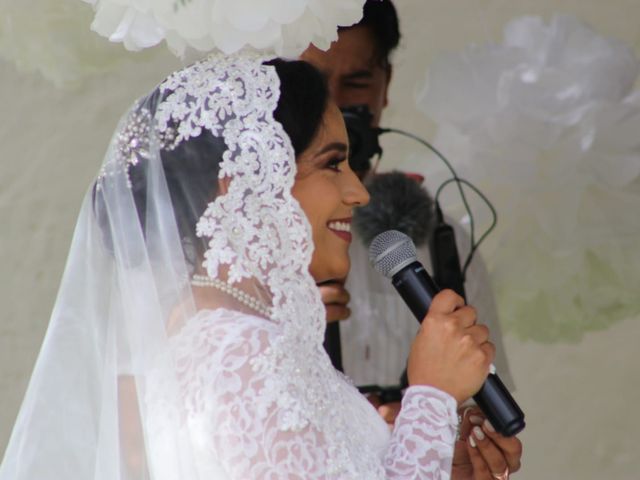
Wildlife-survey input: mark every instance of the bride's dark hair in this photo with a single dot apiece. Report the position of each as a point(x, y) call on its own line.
point(303, 99)
point(191, 169)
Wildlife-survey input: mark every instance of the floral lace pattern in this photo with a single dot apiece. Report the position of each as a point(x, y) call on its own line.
point(238, 429)
point(235, 98)
point(257, 228)
point(423, 437)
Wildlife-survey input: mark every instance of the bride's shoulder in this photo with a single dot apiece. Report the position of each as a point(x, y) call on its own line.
point(222, 330)
point(226, 315)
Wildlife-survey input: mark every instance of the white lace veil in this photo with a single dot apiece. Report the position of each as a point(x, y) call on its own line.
point(156, 216)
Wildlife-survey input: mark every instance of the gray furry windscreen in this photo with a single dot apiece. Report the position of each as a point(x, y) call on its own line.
point(397, 202)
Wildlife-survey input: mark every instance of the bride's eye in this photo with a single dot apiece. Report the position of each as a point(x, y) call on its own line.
point(335, 162)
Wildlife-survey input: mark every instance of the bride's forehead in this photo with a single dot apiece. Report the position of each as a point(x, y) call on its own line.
point(331, 132)
point(332, 125)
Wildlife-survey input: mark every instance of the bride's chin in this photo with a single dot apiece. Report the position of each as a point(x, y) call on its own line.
point(332, 274)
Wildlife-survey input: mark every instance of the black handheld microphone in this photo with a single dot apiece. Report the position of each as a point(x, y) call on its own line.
point(393, 254)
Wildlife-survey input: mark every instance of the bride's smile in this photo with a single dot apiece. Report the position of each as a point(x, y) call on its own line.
point(342, 228)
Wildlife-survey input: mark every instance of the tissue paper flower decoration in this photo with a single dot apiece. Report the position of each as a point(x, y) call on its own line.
point(281, 27)
point(51, 37)
point(547, 125)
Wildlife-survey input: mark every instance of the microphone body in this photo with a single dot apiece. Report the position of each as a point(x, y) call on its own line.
point(417, 289)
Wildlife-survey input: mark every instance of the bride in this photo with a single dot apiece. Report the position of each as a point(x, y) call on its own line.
point(186, 339)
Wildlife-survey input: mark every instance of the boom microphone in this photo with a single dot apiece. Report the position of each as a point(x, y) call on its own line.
point(393, 254)
point(397, 202)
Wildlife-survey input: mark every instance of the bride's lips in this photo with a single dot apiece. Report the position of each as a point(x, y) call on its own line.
point(341, 227)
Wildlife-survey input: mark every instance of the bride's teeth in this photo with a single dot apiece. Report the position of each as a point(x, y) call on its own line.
point(340, 226)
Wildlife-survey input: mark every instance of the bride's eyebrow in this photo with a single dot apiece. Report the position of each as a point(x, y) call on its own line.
point(337, 146)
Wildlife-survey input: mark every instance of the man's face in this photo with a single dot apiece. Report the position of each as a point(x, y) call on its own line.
point(355, 74)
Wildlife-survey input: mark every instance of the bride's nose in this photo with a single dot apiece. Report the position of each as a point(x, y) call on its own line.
point(354, 192)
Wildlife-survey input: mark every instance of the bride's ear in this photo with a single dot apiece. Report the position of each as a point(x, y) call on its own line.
point(223, 185)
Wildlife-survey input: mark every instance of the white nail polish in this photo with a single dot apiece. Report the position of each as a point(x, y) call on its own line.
point(476, 420)
point(466, 412)
point(478, 433)
point(488, 426)
point(472, 441)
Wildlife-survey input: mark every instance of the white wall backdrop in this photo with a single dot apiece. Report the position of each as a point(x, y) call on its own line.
point(579, 398)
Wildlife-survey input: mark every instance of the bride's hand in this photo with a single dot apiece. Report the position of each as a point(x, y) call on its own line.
point(335, 298)
point(450, 352)
point(489, 451)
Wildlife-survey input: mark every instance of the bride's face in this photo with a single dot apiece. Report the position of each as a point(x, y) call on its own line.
point(328, 190)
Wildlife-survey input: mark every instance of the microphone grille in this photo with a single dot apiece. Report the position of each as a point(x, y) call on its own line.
point(391, 251)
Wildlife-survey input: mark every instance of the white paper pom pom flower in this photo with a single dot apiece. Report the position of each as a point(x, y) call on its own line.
point(547, 125)
point(280, 27)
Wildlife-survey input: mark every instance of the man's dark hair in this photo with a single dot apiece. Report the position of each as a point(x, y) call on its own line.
point(381, 18)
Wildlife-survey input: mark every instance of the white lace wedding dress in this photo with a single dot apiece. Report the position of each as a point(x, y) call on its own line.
point(139, 380)
point(323, 429)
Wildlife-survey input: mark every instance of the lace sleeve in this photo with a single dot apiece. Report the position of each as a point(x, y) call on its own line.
point(423, 436)
point(240, 430)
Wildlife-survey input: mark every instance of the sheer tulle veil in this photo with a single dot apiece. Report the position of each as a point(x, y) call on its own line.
point(196, 181)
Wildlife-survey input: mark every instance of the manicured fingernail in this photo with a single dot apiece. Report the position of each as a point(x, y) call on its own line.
point(488, 426)
point(476, 420)
point(478, 433)
point(472, 441)
point(466, 412)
